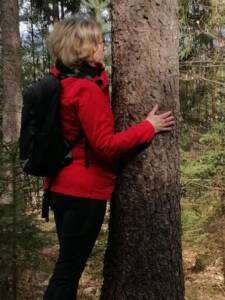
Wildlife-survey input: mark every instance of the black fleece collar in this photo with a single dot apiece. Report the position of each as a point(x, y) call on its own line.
point(84, 70)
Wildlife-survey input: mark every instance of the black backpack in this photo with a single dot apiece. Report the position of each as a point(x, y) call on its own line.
point(43, 149)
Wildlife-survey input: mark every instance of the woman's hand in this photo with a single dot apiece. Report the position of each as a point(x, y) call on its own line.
point(162, 122)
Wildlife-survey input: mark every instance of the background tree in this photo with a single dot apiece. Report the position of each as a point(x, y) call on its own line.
point(16, 228)
point(143, 259)
point(11, 101)
point(11, 69)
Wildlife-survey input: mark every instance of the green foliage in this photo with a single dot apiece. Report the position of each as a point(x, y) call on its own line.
point(210, 138)
point(187, 47)
point(194, 16)
point(201, 55)
point(21, 237)
point(199, 172)
point(192, 11)
point(200, 169)
point(100, 9)
point(193, 222)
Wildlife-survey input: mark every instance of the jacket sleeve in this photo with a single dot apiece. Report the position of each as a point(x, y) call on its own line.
point(97, 121)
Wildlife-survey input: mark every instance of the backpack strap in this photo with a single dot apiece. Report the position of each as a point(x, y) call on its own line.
point(86, 72)
point(46, 203)
point(46, 200)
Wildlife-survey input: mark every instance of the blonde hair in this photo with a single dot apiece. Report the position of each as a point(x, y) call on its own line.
point(73, 40)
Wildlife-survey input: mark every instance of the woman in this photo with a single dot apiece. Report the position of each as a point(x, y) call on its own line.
point(80, 190)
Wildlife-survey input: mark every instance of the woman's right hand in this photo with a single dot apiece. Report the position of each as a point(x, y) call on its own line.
point(162, 122)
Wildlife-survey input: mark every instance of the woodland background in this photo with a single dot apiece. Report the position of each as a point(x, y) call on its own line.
point(28, 245)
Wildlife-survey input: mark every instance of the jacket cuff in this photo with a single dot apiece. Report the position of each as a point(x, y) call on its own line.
point(149, 130)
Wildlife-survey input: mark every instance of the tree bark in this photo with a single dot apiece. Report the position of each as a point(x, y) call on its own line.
point(11, 99)
point(143, 259)
point(11, 70)
point(11, 87)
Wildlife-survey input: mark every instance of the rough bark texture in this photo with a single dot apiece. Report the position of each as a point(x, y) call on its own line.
point(11, 93)
point(1, 102)
point(11, 70)
point(144, 256)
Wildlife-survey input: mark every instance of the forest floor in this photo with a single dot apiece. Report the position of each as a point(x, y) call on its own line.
point(202, 257)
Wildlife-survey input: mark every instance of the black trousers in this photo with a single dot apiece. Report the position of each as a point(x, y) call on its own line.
point(78, 223)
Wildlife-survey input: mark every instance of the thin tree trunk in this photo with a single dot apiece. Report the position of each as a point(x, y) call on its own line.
point(62, 9)
point(144, 257)
point(55, 11)
point(14, 226)
point(11, 94)
point(32, 39)
point(11, 98)
point(11, 70)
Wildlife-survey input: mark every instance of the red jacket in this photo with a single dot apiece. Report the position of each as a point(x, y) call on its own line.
point(86, 105)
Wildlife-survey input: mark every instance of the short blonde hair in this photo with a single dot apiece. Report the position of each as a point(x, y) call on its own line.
point(73, 40)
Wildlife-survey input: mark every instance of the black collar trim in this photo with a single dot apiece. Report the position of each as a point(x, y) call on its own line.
point(84, 70)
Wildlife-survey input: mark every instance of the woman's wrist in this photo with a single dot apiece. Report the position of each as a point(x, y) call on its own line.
point(152, 125)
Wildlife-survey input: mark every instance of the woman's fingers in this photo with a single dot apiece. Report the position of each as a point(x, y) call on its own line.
point(166, 114)
point(168, 124)
point(154, 110)
point(167, 129)
point(170, 119)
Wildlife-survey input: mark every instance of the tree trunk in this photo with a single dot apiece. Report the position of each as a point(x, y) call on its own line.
point(62, 9)
point(11, 94)
point(144, 257)
point(55, 11)
point(11, 70)
point(11, 98)
point(32, 39)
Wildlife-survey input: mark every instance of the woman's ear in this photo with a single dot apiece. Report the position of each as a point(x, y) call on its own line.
point(94, 50)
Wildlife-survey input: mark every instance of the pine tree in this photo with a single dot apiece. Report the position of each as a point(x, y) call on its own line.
point(144, 256)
